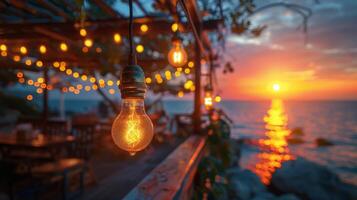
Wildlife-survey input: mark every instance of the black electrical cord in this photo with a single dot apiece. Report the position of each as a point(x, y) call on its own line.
point(132, 55)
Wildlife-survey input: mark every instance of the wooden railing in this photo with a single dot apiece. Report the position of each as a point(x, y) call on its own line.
point(173, 177)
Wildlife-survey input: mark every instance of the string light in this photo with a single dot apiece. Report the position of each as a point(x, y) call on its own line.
point(30, 82)
point(3, 47)
point(110, 83)
point(87, 88)
point(88, 42)
point(79, 86)
point(191, 64)
point(62, 68)
point(139, 48)
point(180, 94)
point(21, 80)
point(39, 63)
point(56, 64)
point(101, 81)
point(23, 50)
point(117, 38)
point(68, 72)
point(118, 82)
point(16, 58)
point(19, 74)
point(187, 71)
point(217, 98)
point(188, 84)
point(95, 87)
point(28, 62)
point(75, 75)
point(63, 46)
point(40, 80)
point(42, 49)
point(148, 80)
point(177, 73)
point(3, 53)
point(92, 79)
point(83, 32)
point(144, 28)
point(84, 77)
point(98, 50)
point(29, 97)
point(174, 27)
point(64, 90)
point(168, 75)
point(111, 91)
point(39, 90)
point(85, 49)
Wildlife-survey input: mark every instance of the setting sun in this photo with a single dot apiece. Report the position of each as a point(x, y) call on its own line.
point(276, 87)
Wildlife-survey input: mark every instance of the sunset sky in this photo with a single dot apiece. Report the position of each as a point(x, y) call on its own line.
point(323, 68)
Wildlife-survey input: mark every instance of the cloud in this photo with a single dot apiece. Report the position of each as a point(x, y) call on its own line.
point(304, 75)
point(248, 40)
point(339, 51)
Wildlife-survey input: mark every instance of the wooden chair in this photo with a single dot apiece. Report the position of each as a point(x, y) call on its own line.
point(51, 127)
point(64, 170)
point(56, 127)
point(85, 140)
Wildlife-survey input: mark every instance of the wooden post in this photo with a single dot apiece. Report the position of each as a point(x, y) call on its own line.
point(197, 100)
point(45, 100)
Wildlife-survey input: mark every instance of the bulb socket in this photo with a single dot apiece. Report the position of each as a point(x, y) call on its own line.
point(176, 39)
point(132, 82)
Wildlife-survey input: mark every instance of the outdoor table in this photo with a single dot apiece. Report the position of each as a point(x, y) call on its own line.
point(53, 145)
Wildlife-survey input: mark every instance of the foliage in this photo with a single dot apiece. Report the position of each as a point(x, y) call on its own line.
point(16, 103)
point(7, 76)
point(210, 180)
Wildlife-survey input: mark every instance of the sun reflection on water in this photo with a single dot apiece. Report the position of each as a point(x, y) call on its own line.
point(274, 147)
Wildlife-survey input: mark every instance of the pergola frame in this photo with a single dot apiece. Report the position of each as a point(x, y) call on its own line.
point(53, 23)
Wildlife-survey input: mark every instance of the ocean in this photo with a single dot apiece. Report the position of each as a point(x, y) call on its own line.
point(335, 121)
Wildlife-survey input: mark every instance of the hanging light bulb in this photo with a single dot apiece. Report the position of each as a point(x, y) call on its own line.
point(132, 130)
point(208, 101)
point(177, 55)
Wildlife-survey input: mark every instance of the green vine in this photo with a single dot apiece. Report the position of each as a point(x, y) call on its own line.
point(211, 180)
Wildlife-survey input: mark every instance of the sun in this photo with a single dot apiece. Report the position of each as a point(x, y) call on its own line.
point(276, 87)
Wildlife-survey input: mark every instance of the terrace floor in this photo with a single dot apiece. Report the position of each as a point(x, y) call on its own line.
point(116, 173)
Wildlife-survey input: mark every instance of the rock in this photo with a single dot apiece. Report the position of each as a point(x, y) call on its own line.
point(287, 197)
point(309, 180)
point(244, 183)
point(264, 196)
point(297, 131)
point(295, 140)
point(322, 142)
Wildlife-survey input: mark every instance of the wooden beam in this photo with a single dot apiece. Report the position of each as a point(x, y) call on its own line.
point(102, 29)
point(55, 9)
point(137, 2)
point(52, 34)
point(22, 5)
point(107, 9)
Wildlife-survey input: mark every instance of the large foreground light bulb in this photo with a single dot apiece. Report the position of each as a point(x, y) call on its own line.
point(177, 55)
point(132, 129)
